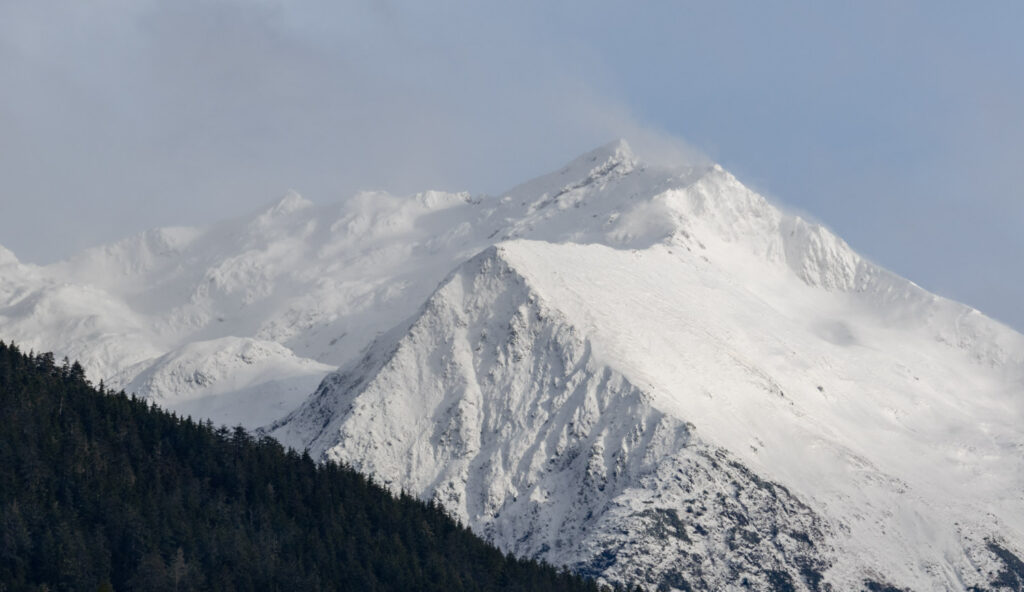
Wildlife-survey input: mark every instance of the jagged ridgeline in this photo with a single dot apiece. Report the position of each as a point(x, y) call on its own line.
point(101, 491)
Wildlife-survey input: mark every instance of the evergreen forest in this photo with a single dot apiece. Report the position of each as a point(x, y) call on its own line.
point(104, 491)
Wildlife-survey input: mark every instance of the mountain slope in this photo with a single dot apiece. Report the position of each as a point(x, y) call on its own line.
point(322, 281)
point(230, 380)
point(514, 425)
point(640, 414)
point(99, 491)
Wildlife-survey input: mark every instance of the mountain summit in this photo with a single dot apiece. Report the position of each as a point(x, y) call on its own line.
point(645, 374)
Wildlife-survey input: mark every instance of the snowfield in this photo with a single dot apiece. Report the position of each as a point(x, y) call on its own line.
point(646, 374)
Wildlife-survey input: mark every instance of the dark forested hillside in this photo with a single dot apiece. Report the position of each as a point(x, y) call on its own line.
point(100, 491)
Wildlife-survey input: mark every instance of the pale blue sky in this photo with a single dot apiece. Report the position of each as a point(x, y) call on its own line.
point(898, 124)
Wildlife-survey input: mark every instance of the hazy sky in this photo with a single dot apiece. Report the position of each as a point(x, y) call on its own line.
point(898, 124)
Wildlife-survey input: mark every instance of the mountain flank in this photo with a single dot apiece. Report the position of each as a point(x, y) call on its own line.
point(102, 491)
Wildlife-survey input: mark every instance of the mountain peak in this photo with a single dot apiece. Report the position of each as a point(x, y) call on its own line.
point(612, 159)
point(606, 156)
point(645, 373)
point(618, 148)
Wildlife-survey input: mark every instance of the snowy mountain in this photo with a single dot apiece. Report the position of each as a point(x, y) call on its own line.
point(649, 375)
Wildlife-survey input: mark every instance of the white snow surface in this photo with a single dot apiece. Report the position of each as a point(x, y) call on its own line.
point(218, 380)
point(646, 374)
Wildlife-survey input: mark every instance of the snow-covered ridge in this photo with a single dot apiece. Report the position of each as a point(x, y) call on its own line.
point(324, 280)
point(215, 378)
point(494, 405)
point(576, 403)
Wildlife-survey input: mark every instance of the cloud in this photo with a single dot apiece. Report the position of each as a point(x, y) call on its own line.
point(898, 126)
point(124, 115)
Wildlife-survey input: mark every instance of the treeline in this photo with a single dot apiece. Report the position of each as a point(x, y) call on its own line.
point(102, 491)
